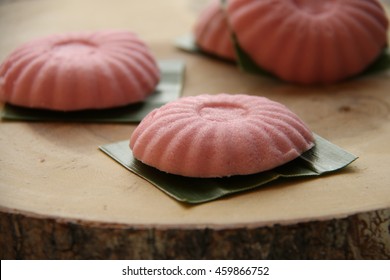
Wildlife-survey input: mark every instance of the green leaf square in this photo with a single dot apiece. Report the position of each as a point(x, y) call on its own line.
point(323, 158)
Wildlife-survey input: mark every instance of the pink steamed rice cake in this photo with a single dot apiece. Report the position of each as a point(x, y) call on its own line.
point(76, 71)
point(220, 135)
point(211, 32)
point(310, 41)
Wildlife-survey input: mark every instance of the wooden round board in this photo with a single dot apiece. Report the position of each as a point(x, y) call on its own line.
point(60, 197)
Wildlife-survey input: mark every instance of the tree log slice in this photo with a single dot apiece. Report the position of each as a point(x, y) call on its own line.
point(360, 236)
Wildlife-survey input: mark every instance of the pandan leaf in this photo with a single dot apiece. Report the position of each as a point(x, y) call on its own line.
point(323, 158)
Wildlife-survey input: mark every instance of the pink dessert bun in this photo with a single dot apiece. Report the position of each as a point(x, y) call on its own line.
point(220, 135)
point(212, 34)
point(77, 71)
point(310, 41)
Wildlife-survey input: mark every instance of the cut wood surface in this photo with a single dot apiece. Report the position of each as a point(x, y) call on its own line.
point(60, 197)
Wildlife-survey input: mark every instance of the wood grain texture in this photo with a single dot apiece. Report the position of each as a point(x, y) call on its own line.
point(361, 236)
point(60, 197)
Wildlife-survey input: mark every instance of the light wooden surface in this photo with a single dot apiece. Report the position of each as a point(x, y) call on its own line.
point(55, 169)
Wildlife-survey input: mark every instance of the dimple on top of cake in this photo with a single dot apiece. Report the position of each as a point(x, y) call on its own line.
point(310, 41)
point(79, 70)
point(220, 135)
